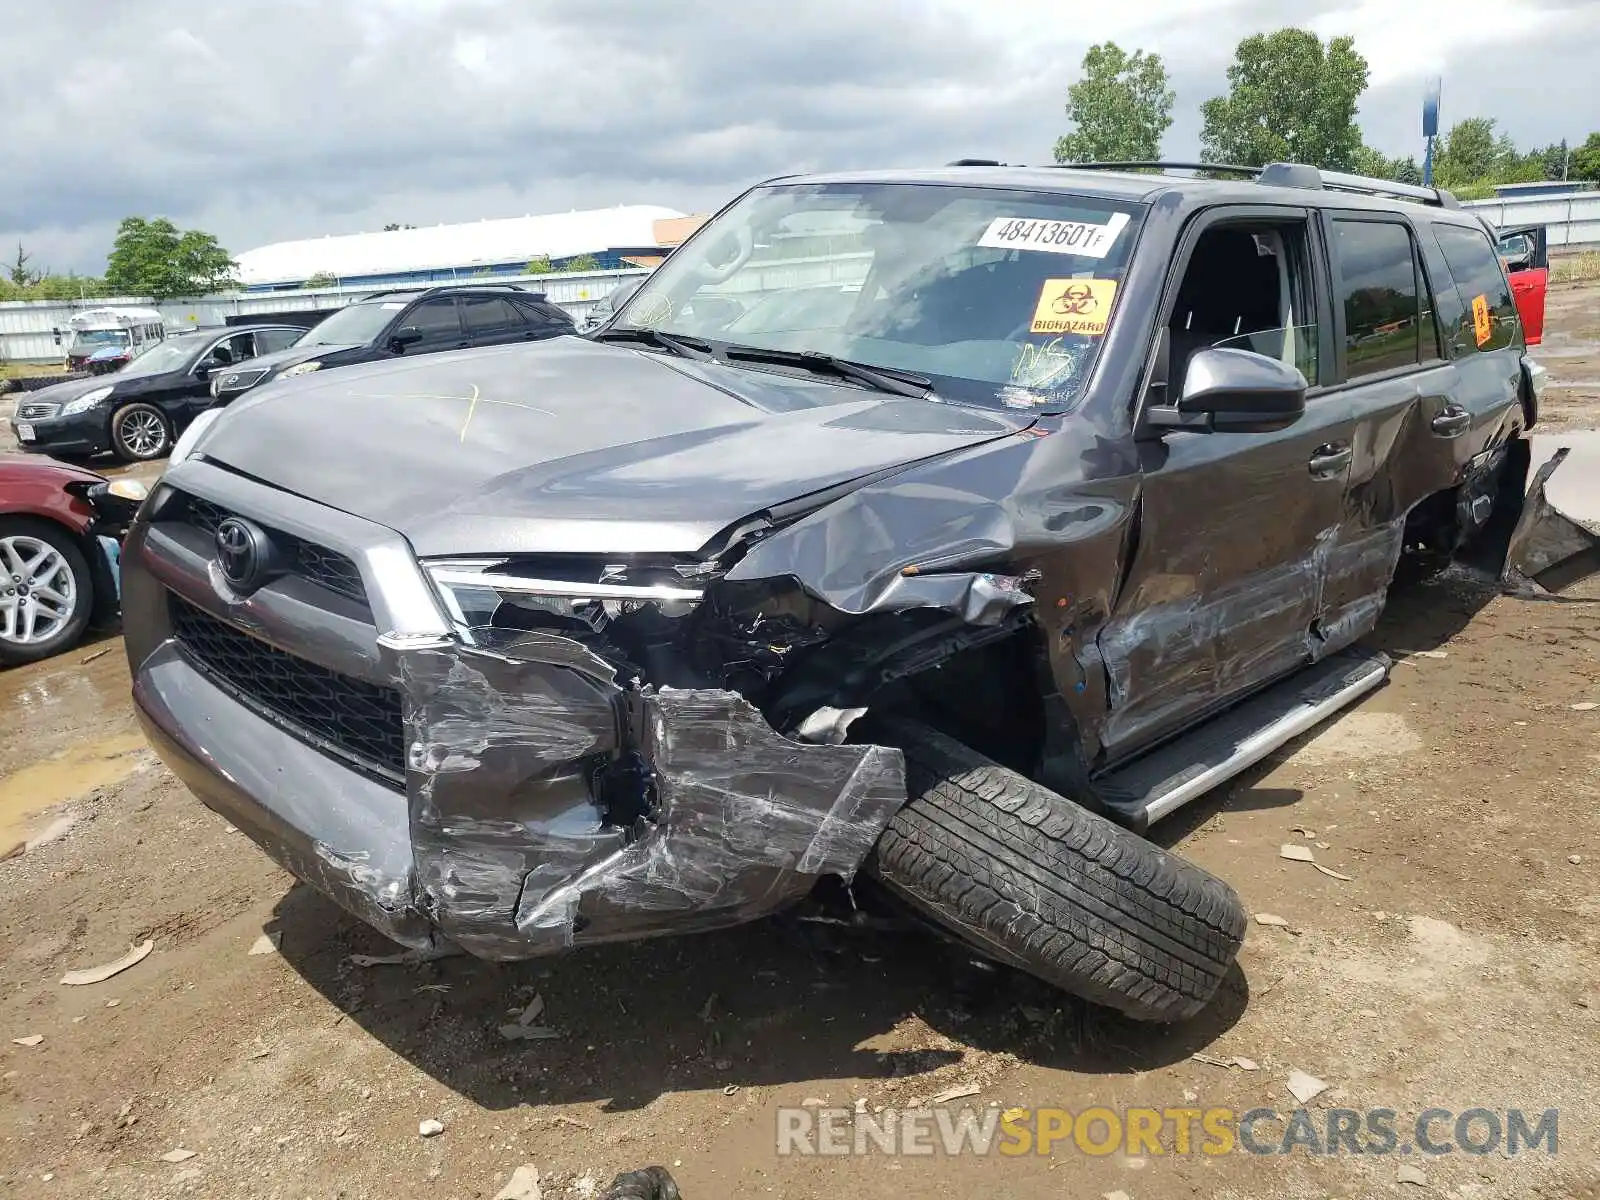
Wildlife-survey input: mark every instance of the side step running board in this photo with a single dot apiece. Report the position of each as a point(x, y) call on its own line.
point(1142, 792)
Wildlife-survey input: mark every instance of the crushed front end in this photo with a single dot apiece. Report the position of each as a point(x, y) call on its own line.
point(509, 764)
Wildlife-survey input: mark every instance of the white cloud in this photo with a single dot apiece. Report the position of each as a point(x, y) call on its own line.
point(264, 120)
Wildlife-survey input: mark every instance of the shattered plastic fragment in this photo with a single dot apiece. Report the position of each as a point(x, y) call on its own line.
point(102, 973)
point(1305, 1088)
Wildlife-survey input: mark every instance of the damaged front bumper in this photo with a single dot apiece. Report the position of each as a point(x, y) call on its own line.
point(528, 801)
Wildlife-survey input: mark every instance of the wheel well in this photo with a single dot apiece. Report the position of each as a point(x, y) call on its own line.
point(103, 586)
point(986, 696)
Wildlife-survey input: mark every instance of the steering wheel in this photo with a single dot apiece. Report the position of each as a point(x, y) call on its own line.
point(744, 246)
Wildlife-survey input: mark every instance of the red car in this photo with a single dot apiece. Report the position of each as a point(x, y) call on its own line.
point(60, 532)
point(1526, 255)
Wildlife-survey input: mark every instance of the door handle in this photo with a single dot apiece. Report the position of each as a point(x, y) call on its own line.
point(1329, 460)
point(1452, 422)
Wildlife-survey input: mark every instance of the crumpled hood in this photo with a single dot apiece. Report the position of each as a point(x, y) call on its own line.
point(571, 446)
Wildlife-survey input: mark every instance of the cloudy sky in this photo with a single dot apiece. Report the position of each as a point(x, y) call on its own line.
point(262, 121)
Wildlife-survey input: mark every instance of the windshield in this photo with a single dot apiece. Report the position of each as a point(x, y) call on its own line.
point(87, 341)
point(353, 326)
point(998, 295)
point(170, 355)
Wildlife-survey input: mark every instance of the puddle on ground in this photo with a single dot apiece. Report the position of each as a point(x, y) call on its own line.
point(42, 785)
point(52, 706)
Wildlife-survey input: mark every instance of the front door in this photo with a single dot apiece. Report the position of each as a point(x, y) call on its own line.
point(1224, 591)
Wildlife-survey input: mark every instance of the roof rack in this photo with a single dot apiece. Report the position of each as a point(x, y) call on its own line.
point(1291, 175)
point(437, 288)
point(1226, 168)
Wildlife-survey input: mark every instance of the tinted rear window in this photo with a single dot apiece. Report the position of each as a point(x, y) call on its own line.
point(1490, 319)
point(1378, 289)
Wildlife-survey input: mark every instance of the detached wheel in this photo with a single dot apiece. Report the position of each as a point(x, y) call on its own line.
point(140, 432)
point(1036, 881)
point(46, 591)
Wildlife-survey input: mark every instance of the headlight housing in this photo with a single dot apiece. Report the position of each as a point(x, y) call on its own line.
point(86, 401)
point(304, 368)
point(190, 438)
point(476, 592)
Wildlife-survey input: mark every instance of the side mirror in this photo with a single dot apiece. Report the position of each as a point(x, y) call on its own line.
point(203, 370)
point(406, 335)
point(1234, 391)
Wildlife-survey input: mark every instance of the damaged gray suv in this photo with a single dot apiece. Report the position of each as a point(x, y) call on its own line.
point(947, 526)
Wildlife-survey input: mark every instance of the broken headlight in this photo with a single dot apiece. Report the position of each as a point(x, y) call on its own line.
point(592, 596)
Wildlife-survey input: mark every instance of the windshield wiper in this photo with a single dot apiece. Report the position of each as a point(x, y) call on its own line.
point(673, 343)
point(884, 379)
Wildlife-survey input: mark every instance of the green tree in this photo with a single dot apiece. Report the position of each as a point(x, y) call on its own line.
point(323, 279)
point(153, 258)
point(1378, 165)
point(21, 275)
point(540, 266)
point(1474, 155)
point(584, 262)
point(53, 287)
point(1121, 106)
point(1290, 99)
point(1586, 160)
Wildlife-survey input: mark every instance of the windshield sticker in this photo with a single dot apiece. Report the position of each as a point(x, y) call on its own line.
point(1482, 327)
point(1080, 306)
point(1054, 237)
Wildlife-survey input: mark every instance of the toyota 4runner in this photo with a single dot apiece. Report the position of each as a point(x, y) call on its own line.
point(951, 526)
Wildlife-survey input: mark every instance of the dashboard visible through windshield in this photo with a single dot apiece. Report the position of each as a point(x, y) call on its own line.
point(996, 296)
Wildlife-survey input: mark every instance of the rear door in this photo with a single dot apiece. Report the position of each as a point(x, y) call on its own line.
point(1525, 256)
point(490, 320)
point(1415, 426)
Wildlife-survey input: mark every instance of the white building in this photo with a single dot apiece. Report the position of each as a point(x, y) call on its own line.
point(444, 253)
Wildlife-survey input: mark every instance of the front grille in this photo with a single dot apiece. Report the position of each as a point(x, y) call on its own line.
point(354, 719)
point(37, 411)
point(318, 564)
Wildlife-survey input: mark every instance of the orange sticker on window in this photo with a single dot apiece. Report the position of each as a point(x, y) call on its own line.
point(1482, 326)
point(1081, 306)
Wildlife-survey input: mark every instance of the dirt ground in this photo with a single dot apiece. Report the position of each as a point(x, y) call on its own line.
point(1457, 966)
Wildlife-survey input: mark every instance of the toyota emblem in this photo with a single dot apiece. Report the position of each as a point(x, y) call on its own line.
point(244, 552)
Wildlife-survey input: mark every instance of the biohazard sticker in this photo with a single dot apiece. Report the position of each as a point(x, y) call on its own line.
point(1482, 325)
point(1082, 238)
point(1081, 306)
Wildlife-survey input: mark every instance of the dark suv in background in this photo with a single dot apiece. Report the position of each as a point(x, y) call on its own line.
point(138, 411)
point(405, 322)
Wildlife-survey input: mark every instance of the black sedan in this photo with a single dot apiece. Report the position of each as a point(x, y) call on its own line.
point(137, 412)
point(405, 323)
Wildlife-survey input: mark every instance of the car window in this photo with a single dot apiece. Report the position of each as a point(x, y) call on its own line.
point(488, 317)
point(270, 341)
point(997, 295)
point(1383, 313)
point(242, 346)
point(1489, 321)
point(543, 314)
point(437, 321)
